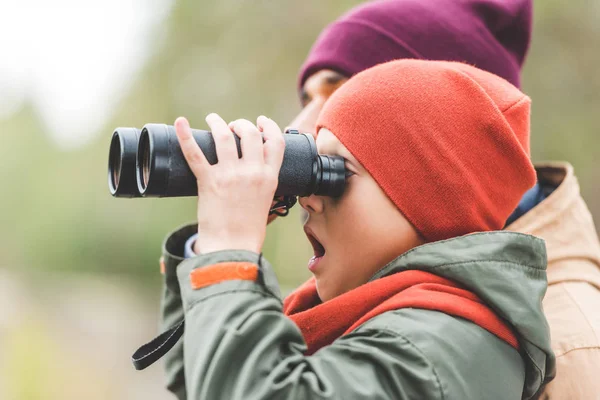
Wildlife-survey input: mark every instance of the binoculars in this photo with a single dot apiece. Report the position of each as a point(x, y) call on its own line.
point(149, 163)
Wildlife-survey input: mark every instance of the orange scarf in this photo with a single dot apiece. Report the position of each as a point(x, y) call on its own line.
point(322, 323)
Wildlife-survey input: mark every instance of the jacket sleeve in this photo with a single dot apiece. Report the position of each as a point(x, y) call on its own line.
point(239, 345)
point(171, 306)
point(576, 375)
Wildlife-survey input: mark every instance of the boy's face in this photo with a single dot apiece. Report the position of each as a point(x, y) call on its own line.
point(355, 235)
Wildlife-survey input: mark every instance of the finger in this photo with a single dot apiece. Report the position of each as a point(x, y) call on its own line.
point(274, 144)
point(190, 149)
point(251, 138)
point(223, 137)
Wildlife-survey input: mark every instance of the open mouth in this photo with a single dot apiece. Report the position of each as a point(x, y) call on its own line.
point(319, 250)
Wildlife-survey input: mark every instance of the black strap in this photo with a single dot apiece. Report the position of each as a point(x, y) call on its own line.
point(283, 205)
point(157, 347)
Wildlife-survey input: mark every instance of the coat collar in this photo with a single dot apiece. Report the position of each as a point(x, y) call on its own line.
point(565, 223)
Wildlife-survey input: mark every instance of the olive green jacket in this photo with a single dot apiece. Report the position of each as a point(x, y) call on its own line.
point(238, 344)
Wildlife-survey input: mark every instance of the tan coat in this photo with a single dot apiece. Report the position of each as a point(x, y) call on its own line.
point(572, 303)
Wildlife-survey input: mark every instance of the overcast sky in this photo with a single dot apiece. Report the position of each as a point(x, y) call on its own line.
point(73, 59)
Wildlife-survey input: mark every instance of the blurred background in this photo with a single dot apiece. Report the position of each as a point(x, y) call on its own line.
point(79, 280)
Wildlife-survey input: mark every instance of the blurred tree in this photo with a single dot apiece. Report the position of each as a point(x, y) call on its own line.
point(561, 76)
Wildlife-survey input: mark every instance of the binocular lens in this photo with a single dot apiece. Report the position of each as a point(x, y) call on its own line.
point(144, 168)
point(121, 162)
point(114, 162)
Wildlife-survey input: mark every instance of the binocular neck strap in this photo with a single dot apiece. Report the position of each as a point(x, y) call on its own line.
point(152, 351)
point(283, 205)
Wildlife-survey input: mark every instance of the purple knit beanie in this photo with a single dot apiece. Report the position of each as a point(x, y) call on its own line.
point(492, 35)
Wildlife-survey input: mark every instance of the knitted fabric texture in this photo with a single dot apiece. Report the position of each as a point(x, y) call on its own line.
point(447, 142)
point(322, 323)
point(492, 35)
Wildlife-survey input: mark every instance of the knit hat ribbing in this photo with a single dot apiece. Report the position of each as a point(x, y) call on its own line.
point(447, 142)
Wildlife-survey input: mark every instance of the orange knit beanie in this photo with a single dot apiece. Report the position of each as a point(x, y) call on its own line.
point(448, 143)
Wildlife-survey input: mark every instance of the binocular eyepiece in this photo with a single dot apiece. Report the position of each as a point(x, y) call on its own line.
point(150, 163)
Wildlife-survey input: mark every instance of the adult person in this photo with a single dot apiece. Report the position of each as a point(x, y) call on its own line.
point(492, 35)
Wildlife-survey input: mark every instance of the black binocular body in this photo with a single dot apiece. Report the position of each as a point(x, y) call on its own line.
point(149, 163)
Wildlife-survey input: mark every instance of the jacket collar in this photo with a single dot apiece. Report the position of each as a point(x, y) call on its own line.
point(507, 271)
point(565, 223)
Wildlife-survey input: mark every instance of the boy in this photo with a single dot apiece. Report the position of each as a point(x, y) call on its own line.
point(408, 300)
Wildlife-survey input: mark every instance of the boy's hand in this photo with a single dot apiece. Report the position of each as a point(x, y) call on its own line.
point(234, 195)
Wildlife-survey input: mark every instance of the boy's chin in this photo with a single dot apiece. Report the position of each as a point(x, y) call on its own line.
point(327, 290)
point(323, 290)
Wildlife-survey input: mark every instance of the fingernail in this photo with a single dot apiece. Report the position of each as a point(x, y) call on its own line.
point(180, 120)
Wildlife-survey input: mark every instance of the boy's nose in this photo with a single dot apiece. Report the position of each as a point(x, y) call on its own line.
point(312, 203)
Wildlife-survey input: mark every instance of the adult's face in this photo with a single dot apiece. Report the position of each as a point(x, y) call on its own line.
point(316, 90)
